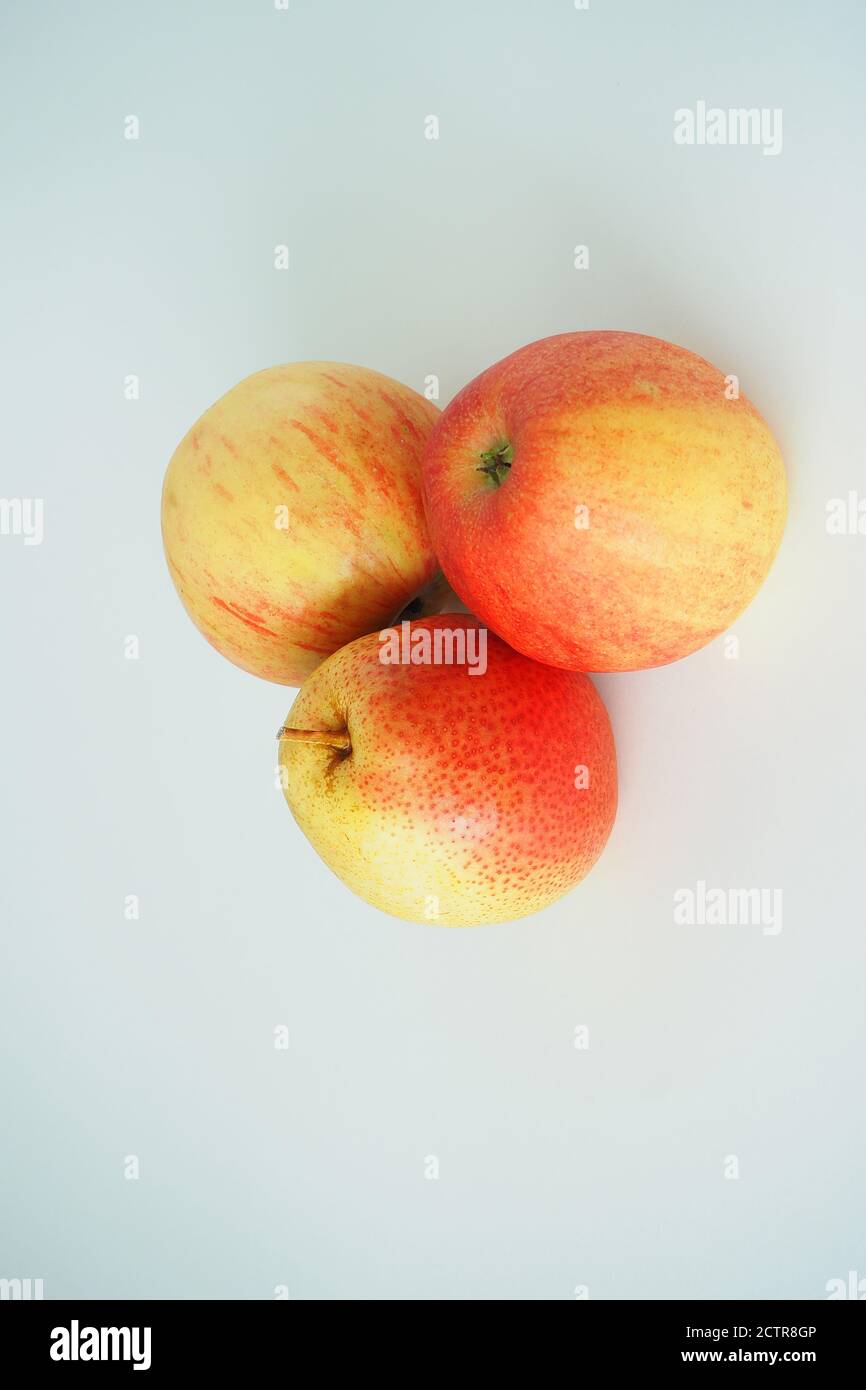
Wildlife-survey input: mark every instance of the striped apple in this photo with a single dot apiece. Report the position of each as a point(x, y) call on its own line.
point(605, 501)
point(292, 516)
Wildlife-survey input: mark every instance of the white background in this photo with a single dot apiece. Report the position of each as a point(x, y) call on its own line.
point(559, 1167)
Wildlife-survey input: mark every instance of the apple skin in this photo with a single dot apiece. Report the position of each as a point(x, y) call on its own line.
point(684, 490)
point(338, 447)
point(457, 804)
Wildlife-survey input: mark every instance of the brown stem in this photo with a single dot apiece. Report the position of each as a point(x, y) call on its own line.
point(331, 738)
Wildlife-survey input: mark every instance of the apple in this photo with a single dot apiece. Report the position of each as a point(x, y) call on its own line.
point(292, 515)
point(445, 778)
point(605, 501)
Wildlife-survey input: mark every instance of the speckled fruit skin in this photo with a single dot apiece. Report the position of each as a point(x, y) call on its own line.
point(338, 447)
point(457, 804)
point(684, 491)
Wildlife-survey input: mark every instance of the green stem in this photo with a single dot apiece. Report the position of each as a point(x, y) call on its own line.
point(496, 461)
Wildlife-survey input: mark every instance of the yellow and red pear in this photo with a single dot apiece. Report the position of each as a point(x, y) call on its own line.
point(456, 794)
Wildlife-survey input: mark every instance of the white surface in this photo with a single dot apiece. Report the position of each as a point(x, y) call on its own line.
point(558, 1167)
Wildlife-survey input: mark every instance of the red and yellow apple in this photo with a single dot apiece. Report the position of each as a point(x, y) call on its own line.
point(451, 792)
point(605, 501)
point(292, 516)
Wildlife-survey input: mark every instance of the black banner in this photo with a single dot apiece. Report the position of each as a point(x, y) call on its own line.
point(222, 1338)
